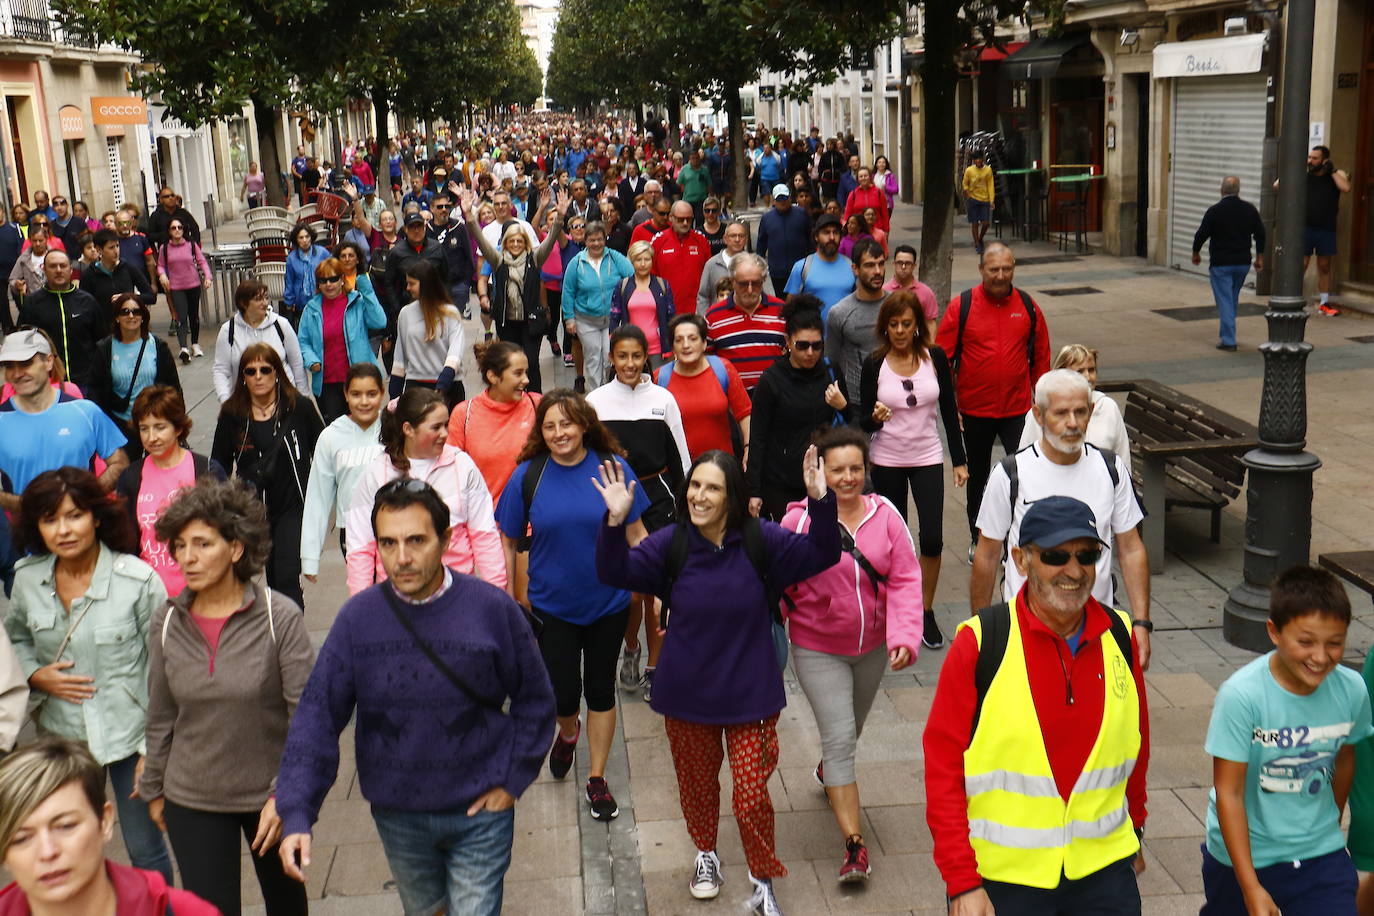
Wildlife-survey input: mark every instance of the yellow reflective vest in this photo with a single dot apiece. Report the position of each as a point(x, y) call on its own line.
point(1020, 827)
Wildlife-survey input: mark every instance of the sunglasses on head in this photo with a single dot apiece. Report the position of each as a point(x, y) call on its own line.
point(251, 371)
point(909, 386)
point(803, 345)
point(1086, 557)
point(403, 485)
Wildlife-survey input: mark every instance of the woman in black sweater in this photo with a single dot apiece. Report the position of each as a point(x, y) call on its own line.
point(800, 394)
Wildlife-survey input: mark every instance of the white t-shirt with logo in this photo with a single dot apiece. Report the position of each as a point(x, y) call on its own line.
point(1087, 479)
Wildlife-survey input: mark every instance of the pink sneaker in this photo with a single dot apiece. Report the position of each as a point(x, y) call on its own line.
point(855, 867)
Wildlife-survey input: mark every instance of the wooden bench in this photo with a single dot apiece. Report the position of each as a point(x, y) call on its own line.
point(1355, 566)
point(1185, 454)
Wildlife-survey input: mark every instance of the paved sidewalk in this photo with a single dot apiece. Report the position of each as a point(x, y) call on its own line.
point(564, 863)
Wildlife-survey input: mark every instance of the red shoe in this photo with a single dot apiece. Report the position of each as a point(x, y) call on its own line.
point(855, 867)
point(1330, 311)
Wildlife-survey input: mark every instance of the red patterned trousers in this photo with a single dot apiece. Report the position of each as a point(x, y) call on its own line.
point(697, 755)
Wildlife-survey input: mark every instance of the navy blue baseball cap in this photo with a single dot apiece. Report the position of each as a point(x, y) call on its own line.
point(1057, 520)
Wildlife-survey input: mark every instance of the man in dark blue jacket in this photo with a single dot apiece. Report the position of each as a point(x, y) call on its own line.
point(1229, 223)
point(784, 236)
point(11, 244)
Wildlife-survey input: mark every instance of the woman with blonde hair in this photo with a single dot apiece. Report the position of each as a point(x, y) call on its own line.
point(1106, 426)
point(645, 301)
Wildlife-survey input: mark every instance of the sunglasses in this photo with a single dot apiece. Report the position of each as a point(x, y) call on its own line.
point(909, 386)
point(1087, 557)
point(59, 200)
point(174, 228)
point(749, 284)
point(253, 371)
point(330, 279)
point(711, 209)
point(441, 206)
point(403, 485)
point(801, 346)
point(130, 313)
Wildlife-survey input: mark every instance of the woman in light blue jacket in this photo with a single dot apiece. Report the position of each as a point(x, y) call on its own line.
point(334, 332)
point(78, 620)
point(589, 279)
point(301, 262)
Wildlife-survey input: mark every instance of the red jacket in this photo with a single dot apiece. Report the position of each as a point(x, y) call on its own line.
point(993, 379)
point(680, 262)
point(138, 892)
point(1069, 729)
point(860, 199)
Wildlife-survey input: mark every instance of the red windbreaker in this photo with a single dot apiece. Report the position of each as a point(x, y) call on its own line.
point(993, 378)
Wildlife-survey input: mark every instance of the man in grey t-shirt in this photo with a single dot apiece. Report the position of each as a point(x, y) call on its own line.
point(849, 328)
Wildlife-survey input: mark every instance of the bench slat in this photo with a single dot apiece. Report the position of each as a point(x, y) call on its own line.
point(1355, 566)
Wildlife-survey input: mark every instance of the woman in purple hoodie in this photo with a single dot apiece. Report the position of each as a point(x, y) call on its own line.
point(850, 623)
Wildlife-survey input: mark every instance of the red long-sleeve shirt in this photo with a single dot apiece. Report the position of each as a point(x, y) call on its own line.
point(993, 379)
point(1069, 729)
point(871, 196)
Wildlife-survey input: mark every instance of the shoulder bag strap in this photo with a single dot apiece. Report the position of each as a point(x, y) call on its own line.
point(138, 364)
point(395, 604)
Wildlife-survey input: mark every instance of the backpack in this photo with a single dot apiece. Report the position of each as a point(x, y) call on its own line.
point(838, 418)
point(665, 375)
point(995, 622)
point(966, 306)
point(276, 323)
point(1014, 473)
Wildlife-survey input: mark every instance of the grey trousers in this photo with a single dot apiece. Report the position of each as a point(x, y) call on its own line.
point(840, 689)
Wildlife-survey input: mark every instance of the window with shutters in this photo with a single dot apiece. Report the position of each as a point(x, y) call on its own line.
point(116, 170)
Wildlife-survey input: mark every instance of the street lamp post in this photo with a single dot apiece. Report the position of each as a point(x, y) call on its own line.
point(1278, 517)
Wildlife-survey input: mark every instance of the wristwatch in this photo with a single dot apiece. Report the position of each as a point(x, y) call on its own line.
point(1147, 625)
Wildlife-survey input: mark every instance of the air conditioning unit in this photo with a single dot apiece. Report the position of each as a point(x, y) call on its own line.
point(1235, 25)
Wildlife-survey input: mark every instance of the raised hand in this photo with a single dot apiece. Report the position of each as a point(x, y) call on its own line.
point(813, 473)
point(619, 497)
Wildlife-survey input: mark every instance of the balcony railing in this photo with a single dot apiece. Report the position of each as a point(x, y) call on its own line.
point(32, 20)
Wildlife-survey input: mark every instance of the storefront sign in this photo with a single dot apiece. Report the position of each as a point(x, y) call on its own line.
point(1213, 57)
point(119, 110)
point(73, 122)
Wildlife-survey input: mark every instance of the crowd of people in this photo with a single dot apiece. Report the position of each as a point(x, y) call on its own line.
point(727, 489)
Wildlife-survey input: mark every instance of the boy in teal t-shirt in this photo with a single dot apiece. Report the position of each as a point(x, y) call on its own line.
point(1282, 739)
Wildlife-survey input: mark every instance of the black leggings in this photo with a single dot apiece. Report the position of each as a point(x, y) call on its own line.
point(332, 402)
point(284, 562)
point(596, 646)
point(186, 304)
point(979, 435)
point(518, 332)
point(208, 848)
point(927, 485)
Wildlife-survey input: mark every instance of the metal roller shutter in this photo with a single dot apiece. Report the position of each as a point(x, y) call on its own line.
point(1218, 130)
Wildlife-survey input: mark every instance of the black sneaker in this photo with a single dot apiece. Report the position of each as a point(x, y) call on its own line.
point(561, 754)
point(647, 684)
point(580, 385)
point(602, 801)
point(931, 637)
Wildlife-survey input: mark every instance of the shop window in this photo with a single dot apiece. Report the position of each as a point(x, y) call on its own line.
point(116, 170)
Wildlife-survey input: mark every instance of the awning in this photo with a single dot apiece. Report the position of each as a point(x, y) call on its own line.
point(991, 53)
point(1040, 58)
point(1210, 57)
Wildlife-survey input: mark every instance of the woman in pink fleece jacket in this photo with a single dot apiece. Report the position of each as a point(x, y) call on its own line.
point(850, 623)
point(414, 430)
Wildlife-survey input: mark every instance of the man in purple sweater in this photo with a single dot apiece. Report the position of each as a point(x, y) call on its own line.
point(428, 658)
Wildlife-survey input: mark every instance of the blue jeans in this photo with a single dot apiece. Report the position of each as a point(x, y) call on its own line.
point(145, 844)
point(1226, 284)
point(447, 861)
point(459, 292)
point(1322, 885)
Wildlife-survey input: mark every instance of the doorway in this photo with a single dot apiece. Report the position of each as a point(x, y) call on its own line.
point(1140, 82)
point(1362, 247)
point(1075, 147)
point(13, 103)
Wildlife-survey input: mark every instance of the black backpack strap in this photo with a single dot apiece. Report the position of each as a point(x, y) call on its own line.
point(276, 323)
point(530, 485)
point(1033, 314)
point(752, 532)
point(1013, 473)
point(676, 560)
point(965, 306)
point(1122, 634)
point(1109, 459)
point(231, 330)
point(995, 623)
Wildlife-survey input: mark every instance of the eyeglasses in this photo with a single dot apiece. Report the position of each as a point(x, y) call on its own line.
point(801, 346)
point(253, 371)
point(404, 485)
point(909, 386)
point(130, 313)
point(1086, 557)
point(59, 200)
point(329, 279)
point(749, 284)
point(442, 206)
point(174, 228)
point(710, 209)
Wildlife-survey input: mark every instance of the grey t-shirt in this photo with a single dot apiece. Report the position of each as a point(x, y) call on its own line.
point(849, 337)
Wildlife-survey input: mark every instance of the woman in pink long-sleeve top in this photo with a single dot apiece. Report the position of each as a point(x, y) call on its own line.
point(852, 622)
point(184, 274)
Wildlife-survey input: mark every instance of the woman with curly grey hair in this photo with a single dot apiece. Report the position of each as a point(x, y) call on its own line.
point(227, 660)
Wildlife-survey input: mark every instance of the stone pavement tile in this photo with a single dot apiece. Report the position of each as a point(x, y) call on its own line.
point(802, 792)
point(812, 834)
point(546, 896)
point(799, 745)
point(899, 829)
point(316, 877)
point(1181, 857)
point(1176, 905)
point(359, 871)
point(1182, 689)
point(900, 742)
point(1170, 816)
point(1155, 881)
point(1179, 725)
point(898, 883)
point(1194, 798)
point(545, 852)
point(638, 719)
point(656, 798)
point(551, 804)
point(911, 703)
point(345, 823)
point(373, 905)
point(649, 755)
point(1172, 767)
point(897, 783)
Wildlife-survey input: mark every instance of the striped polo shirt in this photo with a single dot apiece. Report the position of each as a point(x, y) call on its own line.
point(750, 342)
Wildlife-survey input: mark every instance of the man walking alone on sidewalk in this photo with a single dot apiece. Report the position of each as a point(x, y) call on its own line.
point(1229, 223)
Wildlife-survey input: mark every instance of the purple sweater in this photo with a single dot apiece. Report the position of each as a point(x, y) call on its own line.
point(421, 743)
point(718, 665)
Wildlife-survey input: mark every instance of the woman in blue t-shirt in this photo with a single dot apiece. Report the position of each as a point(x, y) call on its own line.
point(583, 621)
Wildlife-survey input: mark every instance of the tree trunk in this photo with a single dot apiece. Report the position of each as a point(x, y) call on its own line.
point(734, 109)
point(938, 82)
point(381, 111)
point(265, 121)
point(674, 118)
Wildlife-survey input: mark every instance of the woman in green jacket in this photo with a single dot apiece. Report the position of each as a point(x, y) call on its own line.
point(78, 619)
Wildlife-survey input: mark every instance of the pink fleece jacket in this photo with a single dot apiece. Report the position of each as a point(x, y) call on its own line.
point(838, 612)
point(475, 543)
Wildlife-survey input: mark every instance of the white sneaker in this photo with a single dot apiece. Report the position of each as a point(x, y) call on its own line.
point(764, 902)
point(196, 351)
point(706, 877)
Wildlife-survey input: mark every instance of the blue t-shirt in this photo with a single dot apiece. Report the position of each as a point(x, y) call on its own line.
point(829, 281)
point(565, 516)
point(67, 433)
point(123, 359)
point(1289, 744)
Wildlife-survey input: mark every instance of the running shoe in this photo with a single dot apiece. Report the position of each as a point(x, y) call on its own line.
point(820, 774)
point(602, 801)
point(764, 902)
point(706, 876)
point(1330, 311)
point(561, 754)
point(580, 385)
point(629, 668)
point(196, 351)
point(555, 348)
point(173, 328)
point(646, 683)
point(931, 637)
point(567, 360)
point(185, 356)
point(855, 867)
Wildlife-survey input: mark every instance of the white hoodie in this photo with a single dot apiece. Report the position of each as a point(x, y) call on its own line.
point(343, 450)
point(280, 338)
